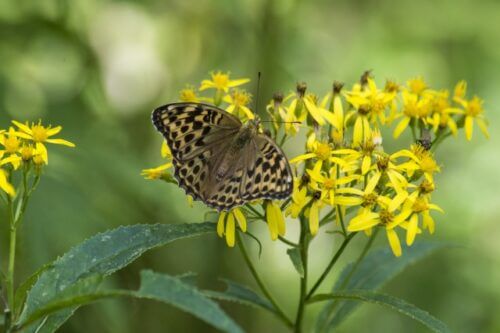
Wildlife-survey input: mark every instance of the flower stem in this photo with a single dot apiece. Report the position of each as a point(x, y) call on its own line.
point(331, 264)
point(281, 315)
point(304, 245)
point(9, 281)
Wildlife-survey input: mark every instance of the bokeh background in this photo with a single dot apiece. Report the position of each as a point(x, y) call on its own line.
point(99, 67)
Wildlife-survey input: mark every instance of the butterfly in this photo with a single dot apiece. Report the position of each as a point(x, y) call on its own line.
point(218, 159)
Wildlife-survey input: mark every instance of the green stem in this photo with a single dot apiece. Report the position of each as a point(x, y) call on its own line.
point(9, 281)
point(304, 245)
point(260, 283)
point(331, 264)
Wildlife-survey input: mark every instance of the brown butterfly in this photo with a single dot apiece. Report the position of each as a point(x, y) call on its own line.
point(219, 160)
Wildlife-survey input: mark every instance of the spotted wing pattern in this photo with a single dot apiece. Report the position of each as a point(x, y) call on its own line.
point(196, 134)
point(199, 135)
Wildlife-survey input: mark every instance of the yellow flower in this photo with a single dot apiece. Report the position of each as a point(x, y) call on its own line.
point(40, 135)
point(336, 108)
point(226, 224)
point(414, 107)
point(238, 101)
point(299, 199)
point(302, 104)
point(188, 95)
point(314, 216)
point(321, 151)
point(276, 109)
point(418, 206)
point(386, 217)
point(156, 173)
point(5, 185)
point(275, 220)
point(327, 185)
point(222, 82)
point(473, 110)
point(12, 146)
point(441, 111)
point(372, 99)
point(417, 85)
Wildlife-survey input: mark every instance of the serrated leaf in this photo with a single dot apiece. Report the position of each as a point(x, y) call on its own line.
point(154, 286)
point(238, 293)
point(23, 288)
point(103, 254)
point(391, 302)
point(377, 268)
point(171, 290)
point(294, 254)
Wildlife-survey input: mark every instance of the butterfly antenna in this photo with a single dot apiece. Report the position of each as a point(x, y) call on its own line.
point(257, 92)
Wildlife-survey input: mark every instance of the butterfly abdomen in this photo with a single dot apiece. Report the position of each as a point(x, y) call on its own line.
point(233, 152)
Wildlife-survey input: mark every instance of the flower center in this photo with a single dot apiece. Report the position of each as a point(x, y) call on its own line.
point(383, 163)
point(386, 217)
point(220, 80)
point(427, 164)
point(474, 107)
point(188, 95)
point(39, 133)
point(329, 183)
point(426, 187)
point(11, 144)
point(241, 98)
point(417, 86)
point(369, 200)
point(420, 205)
point(27, 152)
point(323, 151)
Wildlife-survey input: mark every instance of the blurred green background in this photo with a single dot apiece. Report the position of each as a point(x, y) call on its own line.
point(99, 67)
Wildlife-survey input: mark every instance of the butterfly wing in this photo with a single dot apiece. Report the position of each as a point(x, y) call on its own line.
point(260, 172)
point(196, 134)
point(268, 174)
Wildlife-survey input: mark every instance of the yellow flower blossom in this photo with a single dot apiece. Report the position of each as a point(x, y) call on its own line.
point(238, 101)
point(226, 224)
point(417, 86)
point(328, 185)
point(300, 199)
point(40, 135)
point(12, 145)
point(221, 81)
point(473, 111)
point(302, 104)
point(414, 108)
point(188, 94)
point(321, 151)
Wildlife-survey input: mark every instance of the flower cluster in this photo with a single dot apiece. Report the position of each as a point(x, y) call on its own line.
point(23, 147)
point(345, 178)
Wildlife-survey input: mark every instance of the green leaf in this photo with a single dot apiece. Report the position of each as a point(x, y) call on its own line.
point(238, 293)
point(294, 254)
point(23, 288)
point(377, 268)
point(154, 286)
point(102, 254)
point(391, 302)
point(172, 290)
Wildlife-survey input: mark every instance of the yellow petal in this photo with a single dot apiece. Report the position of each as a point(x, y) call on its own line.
point(365, 165)
point(61, 142)
point(393, 239)
point(411, 232)
point(272, 222)
point(54, 131)
point(372, 183)
point(401, 127)
point(23, 127)
point(302, 157)
point(483, 127)
point(242, 221)
point(230, 229)
point(314, 218)
point(220, 224)
point(313, 111)
point(235, 83)
point(363, 221)
point(358, 131)
point(469, 127)
point(42, 151)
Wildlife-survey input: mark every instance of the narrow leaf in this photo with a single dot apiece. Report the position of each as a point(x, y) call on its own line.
point(155, 286)
point(103, 254)
point(294, 254)
point(172, 290)
point(391, 302)
point(238, 293)
point(377, 268)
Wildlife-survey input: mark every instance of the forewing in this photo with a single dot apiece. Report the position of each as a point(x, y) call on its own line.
point(196, 134)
